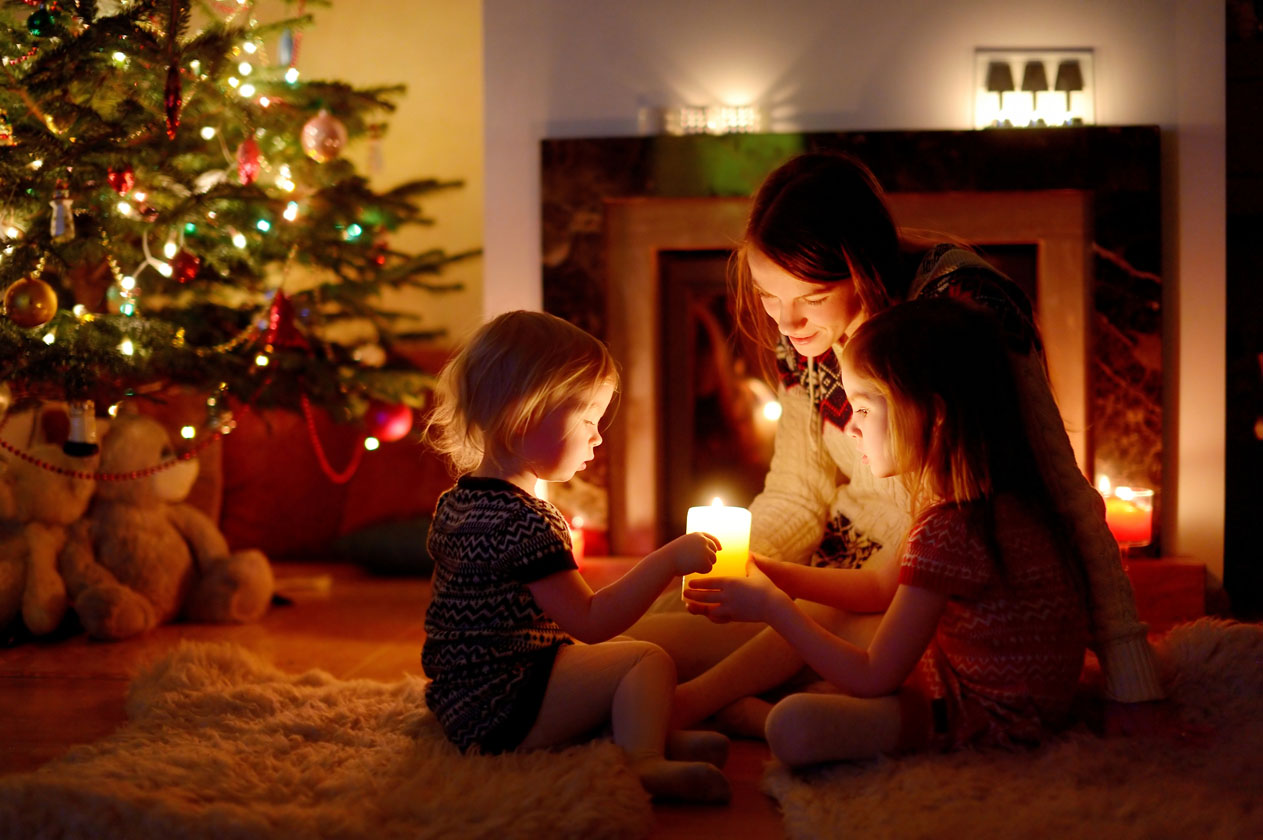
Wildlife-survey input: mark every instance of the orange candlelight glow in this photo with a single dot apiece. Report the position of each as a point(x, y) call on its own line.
point(729, 525)
point(576, 539)
point(1128, 513)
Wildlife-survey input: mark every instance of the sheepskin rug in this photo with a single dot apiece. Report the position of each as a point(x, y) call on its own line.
point(220, 744)
point(1079, 785)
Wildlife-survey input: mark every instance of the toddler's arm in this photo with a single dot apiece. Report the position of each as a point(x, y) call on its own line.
point(597, 616)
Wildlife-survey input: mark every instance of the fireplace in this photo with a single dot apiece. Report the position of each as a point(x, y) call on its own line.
point(627, 220)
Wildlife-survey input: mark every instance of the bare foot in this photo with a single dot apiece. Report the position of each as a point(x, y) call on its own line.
point(698, 745)
point(683, 781)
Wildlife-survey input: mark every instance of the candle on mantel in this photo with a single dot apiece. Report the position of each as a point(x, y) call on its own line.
point(729, 525)
point(1128, 513)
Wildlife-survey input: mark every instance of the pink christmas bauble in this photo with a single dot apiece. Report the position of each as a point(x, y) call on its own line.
point(386, 421)
point(323, 137)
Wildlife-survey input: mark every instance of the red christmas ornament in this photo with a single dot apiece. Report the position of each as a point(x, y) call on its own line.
point(282, 333)
point(248, 161)
point(185, 265)
point(171, 99)
point(388, 422)
point(121, 178)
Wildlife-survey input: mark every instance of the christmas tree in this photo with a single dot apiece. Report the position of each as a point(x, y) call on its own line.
point(175, 210)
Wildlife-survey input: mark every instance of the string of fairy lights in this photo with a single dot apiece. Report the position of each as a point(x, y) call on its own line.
point(31, 303)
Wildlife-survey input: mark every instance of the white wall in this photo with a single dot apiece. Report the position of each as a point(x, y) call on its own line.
point(570, 68)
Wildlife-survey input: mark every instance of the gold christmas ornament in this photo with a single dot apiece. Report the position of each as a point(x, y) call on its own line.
point(30, 302)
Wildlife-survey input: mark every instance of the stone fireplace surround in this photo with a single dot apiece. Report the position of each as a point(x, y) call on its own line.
point(1086, 199)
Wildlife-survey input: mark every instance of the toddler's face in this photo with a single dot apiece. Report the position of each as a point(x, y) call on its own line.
point(565, 440)
point(868, 424)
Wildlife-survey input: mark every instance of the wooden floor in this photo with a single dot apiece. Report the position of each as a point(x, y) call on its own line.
point(55, 694)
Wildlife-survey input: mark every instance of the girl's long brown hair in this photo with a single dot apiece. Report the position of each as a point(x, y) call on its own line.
point(953, 408)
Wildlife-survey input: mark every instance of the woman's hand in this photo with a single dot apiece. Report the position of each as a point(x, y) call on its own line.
point(690, 553)
point(723, 599)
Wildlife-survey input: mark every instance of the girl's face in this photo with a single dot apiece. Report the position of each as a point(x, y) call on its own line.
point(814, 316)
point(566, 438)
point(868, 424)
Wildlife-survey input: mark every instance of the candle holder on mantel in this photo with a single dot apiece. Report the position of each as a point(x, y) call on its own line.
point(1129, 515)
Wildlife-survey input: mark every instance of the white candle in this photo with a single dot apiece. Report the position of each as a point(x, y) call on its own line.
point(729, 525)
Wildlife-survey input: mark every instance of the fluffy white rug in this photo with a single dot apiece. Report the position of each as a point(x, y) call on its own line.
point(222, 745)
point(1080, 785)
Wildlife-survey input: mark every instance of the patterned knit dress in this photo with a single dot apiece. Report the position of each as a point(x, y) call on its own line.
point(489, 648)
point(1004, 663)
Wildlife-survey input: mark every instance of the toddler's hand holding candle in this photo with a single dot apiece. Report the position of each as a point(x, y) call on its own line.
point(729, 525)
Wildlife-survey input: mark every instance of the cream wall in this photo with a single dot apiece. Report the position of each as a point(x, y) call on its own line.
point(568, 68)
point(435, 48)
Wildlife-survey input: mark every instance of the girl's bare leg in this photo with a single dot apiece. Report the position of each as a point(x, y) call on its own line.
point(763, 663)
point(629, 684)
point(811, 728)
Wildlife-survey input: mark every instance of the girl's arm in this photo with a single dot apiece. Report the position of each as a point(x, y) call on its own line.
point(597, 616)
point(901, 638)
point(864, 590)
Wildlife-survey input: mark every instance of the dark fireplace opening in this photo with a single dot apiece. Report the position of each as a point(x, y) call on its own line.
point(716, 440)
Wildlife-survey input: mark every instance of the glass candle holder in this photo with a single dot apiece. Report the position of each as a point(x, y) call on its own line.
point(1129, 515)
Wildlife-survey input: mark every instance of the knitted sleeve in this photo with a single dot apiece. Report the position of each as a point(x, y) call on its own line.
point(943, 553)
point(789, 515)
point(535, 544)
point(1118, 634)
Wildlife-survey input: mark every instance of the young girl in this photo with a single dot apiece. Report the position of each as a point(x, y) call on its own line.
point(984, 636)
point(520, 403)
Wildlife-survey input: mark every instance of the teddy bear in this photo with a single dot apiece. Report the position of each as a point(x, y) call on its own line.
point(37, 506)
point(142, 557)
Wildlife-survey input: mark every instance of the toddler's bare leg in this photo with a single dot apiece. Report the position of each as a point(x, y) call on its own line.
point(628, 683)
point(694, 642)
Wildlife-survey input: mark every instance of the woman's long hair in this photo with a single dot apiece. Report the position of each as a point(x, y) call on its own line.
point(823, 218)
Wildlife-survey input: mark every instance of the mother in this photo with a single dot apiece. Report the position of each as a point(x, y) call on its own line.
point(821, 253)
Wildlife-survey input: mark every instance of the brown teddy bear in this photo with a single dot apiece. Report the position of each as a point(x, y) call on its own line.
point(141, 557)
point(37, 506)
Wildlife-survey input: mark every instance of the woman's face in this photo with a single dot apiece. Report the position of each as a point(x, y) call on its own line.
point(813, 316)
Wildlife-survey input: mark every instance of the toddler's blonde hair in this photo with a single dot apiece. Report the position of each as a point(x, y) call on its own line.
point(515, 369)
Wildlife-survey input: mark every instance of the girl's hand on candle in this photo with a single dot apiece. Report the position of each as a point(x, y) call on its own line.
point(690, 553)
point(724, 599)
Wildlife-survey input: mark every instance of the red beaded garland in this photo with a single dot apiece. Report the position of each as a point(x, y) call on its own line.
point(333, 475)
